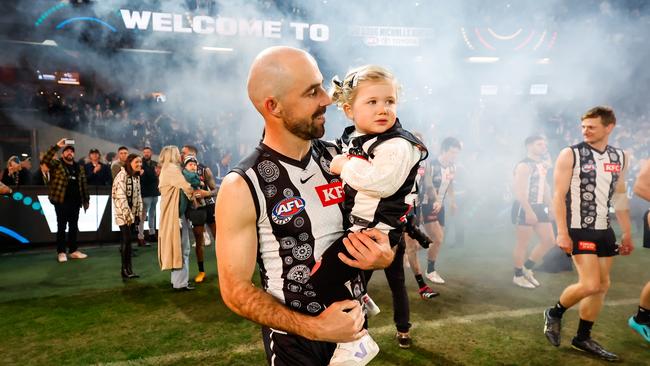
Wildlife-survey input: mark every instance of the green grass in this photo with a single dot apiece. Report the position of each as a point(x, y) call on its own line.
point(81, 312)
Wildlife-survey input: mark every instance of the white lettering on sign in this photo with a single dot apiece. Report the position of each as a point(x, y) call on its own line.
point(223, 26)
point(162, 22)
point(203, 25)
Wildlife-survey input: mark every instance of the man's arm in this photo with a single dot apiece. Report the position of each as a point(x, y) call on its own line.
point(48, 158)
point(642, 185)
point(522, 176)
point(622, 207)
point(562, 182)
point(211, 183)
point(237, 253)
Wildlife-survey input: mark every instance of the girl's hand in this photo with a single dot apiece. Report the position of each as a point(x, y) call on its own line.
point(336, 166)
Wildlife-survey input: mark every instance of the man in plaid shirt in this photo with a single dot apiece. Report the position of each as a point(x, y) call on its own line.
point(68, 191)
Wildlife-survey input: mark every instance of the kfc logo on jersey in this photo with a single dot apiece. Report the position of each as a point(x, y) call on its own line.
point(612, 168)
point(331, 194)
point(587, 245)
point(287, 208)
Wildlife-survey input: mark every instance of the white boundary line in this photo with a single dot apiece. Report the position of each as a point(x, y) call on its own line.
point(386, 329)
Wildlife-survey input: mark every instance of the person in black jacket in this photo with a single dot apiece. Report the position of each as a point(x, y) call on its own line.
point(150, 193)
point(97, 173)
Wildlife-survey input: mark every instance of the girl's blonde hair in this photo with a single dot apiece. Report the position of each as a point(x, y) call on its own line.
point(345, 91)
point(170, 154)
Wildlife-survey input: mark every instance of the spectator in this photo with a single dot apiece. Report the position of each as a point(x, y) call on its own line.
point(11, 174)
point(122, 154)
point(42, 176)
point(25, 174)
point(68, 192)
point(127, 201)
point(173, 249)
point(110, 157)
point(149, 182)
point(223, 167)
point(97, 173)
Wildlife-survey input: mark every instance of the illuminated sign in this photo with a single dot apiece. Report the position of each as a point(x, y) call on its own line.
point(391, 36)
point(224, 26)
point(68, 78)
point(90, 220)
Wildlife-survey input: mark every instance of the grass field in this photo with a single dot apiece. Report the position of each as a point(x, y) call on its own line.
point(80, 312)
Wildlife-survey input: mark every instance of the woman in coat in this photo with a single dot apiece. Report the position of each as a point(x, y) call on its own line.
point(127, 208)
point(173, 247)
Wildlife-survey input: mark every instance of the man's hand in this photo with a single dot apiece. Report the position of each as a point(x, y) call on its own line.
point(531, 218)
point(370, 249)
point(338, 161)
point(565, 243)
point(627, 246)
point(340, 322)
point(61, 143)
point(97, 168)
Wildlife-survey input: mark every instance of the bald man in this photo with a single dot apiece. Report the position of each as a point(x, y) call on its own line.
point(641, 321)
point(280, 208)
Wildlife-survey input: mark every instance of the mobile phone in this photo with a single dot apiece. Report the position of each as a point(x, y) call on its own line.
point(69, 142)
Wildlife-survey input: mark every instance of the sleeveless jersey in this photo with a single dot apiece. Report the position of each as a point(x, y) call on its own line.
point(593, 182)
point(536, 181)
point(201, 171)
point(387, 214)
point(299, 215)
point(442, 178)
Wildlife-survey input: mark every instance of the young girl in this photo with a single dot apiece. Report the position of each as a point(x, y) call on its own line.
point(378, 168)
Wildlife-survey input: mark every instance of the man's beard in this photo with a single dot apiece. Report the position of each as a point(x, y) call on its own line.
point(306, 129)
point(68, 159)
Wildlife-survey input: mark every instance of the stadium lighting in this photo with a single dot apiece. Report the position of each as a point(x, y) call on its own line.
point(482, 60)
point(49, 42)
point(217, 49)
point(140, 50)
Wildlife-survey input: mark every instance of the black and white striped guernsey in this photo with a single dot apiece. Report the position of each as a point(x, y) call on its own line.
point(536, 181)
point(593, 183)
point(442, 177)
point(299, 215)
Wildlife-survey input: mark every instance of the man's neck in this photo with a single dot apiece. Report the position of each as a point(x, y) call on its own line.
point(534, 157)
point(599, 145)
point(68, 162)
point(287, 144)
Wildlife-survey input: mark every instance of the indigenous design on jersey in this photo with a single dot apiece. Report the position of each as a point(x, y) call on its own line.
point(201, 170)
point(442, 178)
point(299, 216)
point(593, 183)
point(536, 181)
point(387, 214)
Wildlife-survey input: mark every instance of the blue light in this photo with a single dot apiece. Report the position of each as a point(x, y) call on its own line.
point(36, 206)
point(14, 235)
point(27, 201)
point(17, 196)
point(90, 19)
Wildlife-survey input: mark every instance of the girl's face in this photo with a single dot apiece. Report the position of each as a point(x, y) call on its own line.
point(191, 167)
point(136, 164)
point(374, 108)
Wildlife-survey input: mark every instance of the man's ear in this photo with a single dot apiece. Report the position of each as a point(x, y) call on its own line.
point(347, 109)
point(273, 106)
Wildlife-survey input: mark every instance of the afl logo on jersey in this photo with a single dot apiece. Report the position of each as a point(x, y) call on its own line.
point(612, 168)
point(286, 209)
